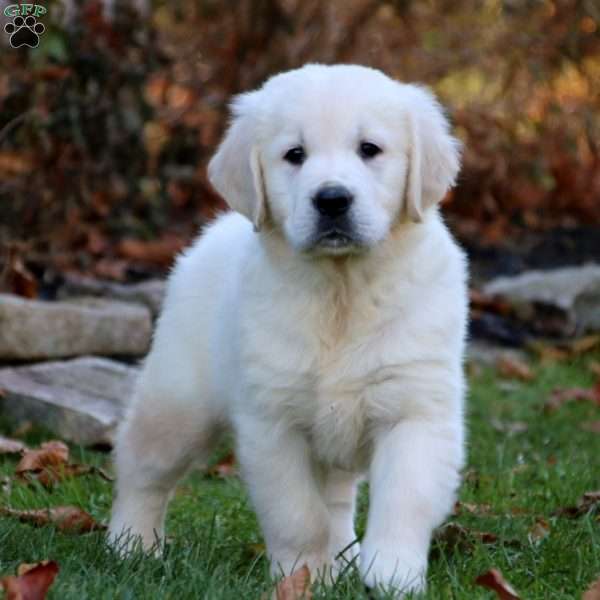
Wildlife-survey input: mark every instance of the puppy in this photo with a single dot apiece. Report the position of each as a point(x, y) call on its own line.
point(323, 321)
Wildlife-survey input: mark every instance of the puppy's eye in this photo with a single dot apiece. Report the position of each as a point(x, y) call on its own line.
point(295, 155)
point(369, 150)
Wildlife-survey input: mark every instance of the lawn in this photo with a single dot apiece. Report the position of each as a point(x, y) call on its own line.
point(524, 464)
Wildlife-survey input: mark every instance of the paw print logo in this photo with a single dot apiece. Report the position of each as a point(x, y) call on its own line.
point(24, 31)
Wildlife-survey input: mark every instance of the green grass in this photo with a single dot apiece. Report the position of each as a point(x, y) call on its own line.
point(214, 549)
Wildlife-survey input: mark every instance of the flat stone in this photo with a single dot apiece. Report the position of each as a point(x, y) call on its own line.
point(574, 290)
point(488, 354)
point(33, 329)
point(80, 400)
point(150, 293)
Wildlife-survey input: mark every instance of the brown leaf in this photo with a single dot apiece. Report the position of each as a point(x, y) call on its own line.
point(69, 519)
point(509, 427)
point(592, 426)
point(32, 581)
point(494, 580)
point(513, 368)
point(558, 397)
point(10, 446)
point(539, 531)
point(453, 535)
point(49, 454)
point(295, 587)
point(590, 501)
point(160, 252)
point(224, 468)
point(474, 509)
point(593, 592)
point(47, 464)
point(18, 278)
point(584, 344)
point(594, 367)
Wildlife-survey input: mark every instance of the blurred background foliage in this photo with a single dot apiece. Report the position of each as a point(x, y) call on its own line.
point(106, 127)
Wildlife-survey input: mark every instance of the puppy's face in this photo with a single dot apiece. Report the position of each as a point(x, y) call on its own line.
point(333, 155)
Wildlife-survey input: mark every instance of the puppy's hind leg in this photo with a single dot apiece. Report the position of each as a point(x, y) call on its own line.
point(168, 427)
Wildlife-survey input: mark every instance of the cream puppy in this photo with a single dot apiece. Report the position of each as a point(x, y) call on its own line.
point(323, 321)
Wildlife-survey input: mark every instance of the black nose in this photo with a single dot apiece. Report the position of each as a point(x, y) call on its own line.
point(332, 201)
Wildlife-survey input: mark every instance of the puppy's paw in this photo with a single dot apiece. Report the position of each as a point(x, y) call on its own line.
point(393, 569)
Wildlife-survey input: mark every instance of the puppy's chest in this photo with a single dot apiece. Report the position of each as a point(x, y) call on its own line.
point(325, 392)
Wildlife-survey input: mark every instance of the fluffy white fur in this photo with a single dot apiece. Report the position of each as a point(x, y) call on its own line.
point(329, 363)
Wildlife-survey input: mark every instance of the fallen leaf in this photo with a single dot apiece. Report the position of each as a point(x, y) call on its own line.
point(594, 367)
point(584, 344)
point(10, 446)
point(47, 464)
point(69, 519)
point(224, 468)
point(455, 536)
point(513, 368)
point(474, 509)
point(509, 427)
point(295, 587)
point(539, 531)
point(32, 581)
point(592, 426)
point(593, 592)
point(548, 354)
point(49, 454)
point(160, 252)
point(494, 580)
point(559, 397)
point(590, 501)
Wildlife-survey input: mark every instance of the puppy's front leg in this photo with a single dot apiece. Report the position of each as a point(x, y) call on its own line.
point(413, 478)
point(286, 492)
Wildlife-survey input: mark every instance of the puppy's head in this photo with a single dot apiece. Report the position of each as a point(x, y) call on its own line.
point(335, 155)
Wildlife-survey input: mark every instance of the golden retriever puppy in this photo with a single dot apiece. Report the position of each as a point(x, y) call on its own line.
point(323, 322)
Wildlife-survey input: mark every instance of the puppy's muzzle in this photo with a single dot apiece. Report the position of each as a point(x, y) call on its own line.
point(335, 230)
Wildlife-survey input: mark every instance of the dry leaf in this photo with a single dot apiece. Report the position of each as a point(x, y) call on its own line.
point(160, 252)
point(224, 468)
point(453, 535)
point(593, 592)
point(474, 509)
point(295, 587)
point(590, 501)
point(509, 427)
point(592, 426)
point(69, 519)
point(494, 580)
point(514, 369)
point(47, 464)
point(594, 367)
point(584, 344)
point(32, 581)
point(539, 531)
point(49, 454)
point(10, 446)
point(558, 397)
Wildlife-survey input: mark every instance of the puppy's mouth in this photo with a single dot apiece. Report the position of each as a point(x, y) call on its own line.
point(334, 239)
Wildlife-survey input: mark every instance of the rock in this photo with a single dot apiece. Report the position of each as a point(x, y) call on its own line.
point(488, 354)
point(81, 400)
point(32, 329)
point(574, 290)
point(149, 293)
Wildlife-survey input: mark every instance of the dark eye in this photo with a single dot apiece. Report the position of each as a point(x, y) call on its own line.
point(369, 150)
point(295, 156)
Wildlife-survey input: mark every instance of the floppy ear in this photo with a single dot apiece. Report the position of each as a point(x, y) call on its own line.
point(433, 154)
point(235, 171)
